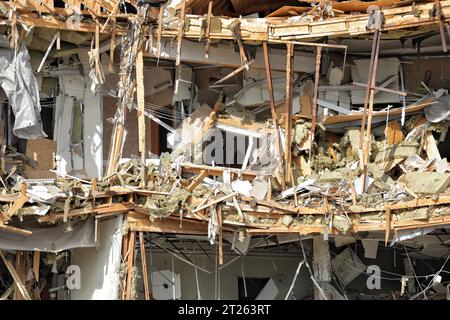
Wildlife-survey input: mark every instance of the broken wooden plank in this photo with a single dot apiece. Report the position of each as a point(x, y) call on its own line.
point(208, 29)
point(430, 147)
point(15, 230)
point(388, 225)
point(438, 16)
point(36, 263)
point(130, 265)
point(180, 32)
point(218, 200)
point(220, 222)
point(233, 73)
point(160, 23)
point(368, 104)
point(197, 180)
point(20, 285)
point(18, 204)
point(144, 266)
point(288, 114)
point(379, 88)
point(141, 110)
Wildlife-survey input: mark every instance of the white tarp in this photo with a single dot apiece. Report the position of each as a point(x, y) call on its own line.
point(20, 85)
point(51, 239)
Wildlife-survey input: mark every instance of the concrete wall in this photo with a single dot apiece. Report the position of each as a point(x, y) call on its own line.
point(256, 267)
point(99, 266)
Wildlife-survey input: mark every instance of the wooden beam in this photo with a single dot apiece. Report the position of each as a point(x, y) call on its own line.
point(180, 31)
point(215, 201)
point(130, 264)
point(440, 24)
point(144, 266)
point(208, 29)
point(139, 222)
point(220, 220)
point(36, 264)
point(274, 114)
point(203, 174)
point(315, 97)
point(378, 88)
point(288, 113)
point(160, 22)
point(367, 140)
point(18, 204)
point(15, 230)
point(141, 110)
point(21, 287)
point(388, 225)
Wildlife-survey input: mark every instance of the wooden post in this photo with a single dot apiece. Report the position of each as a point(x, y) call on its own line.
point(36, 262)
point(388, 225)
point(130, 263)
point(208, 29)
point(113, 48)
point(160, 21)
point(274, 114)
point(141, 109)
point(315, 98)
point(21, 272)
point(125, 239)
point(144, 266)
point(440, 24)
point(322, 267)
point(180, 31)
point(288, 122)
point(219, 218)
point(367, 141)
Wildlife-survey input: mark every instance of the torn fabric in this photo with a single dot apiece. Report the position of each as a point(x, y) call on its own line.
point(20, 85)
point(52, 239)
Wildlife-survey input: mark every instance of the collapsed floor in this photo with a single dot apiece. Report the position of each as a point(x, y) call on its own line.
point(250, 144)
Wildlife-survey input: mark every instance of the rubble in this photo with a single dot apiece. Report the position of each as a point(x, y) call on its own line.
point(261, 134)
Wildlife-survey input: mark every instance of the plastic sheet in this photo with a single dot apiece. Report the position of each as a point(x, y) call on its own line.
point(20, 85)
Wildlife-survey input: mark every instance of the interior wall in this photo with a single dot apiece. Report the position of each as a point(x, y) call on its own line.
point(100, 266)
point(254, 267)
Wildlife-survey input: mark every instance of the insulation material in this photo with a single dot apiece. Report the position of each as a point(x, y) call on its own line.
point(438, 111)
point(20, 85)
point(348, 266)
point(52, 239)
point(403, 235)
point(255, 92)
point(387, 68)
point(182, 91)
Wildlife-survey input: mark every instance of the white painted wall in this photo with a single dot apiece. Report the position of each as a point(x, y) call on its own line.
point(100, 266)
point(253, 267)
point(90, 162)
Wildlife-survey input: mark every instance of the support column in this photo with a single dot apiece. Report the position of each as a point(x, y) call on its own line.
point(322, 268)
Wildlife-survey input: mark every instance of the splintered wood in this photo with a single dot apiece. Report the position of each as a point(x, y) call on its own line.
point(141, 108)
point(288, 115)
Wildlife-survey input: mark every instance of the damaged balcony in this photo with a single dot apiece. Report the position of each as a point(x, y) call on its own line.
point(224, 150)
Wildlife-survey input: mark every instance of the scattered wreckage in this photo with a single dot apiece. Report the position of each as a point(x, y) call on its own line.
point(318, 157)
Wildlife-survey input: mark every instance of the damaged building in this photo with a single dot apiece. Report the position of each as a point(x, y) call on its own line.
point(224, 149)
